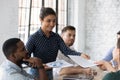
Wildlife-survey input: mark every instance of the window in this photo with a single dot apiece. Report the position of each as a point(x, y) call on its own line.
point(29, 15)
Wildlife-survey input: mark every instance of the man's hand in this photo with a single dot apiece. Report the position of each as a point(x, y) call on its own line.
point(101, 65)
point(104, 65)
point(37, 63)
point(47, 67)
point(34, 62)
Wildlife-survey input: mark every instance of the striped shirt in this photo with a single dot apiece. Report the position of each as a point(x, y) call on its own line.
point(46, 48)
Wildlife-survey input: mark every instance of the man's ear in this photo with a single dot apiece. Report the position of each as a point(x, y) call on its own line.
point(62, 34)
point(13, 55)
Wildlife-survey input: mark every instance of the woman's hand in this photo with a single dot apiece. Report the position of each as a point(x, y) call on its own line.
point(85, 56)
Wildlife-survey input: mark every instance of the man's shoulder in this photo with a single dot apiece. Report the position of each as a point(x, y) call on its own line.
point(111, 76)
point(12, 73)
point(7, 69)
point(61, 56)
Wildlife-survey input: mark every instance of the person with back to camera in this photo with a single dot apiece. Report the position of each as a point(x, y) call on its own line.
point(108, 57)
point(45, 43)
point(16, 54)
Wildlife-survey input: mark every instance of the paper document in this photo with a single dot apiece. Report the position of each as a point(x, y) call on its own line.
point(82, 62)
point(58, 63)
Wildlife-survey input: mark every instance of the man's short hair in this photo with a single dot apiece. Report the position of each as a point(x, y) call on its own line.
point(118, 33)
point(118, 43)
point(68, 28)
point(10, 46)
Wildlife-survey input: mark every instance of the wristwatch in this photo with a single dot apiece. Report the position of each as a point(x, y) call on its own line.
point(114, 63)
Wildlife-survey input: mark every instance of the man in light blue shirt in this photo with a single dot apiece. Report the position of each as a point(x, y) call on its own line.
point(10, 71)
point(16, 54)
point(109, 55)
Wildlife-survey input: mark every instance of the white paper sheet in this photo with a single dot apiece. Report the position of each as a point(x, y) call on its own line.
point(82, 62)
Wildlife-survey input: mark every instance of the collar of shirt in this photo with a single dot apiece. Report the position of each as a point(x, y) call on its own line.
point(42, 33)
point(10, 64)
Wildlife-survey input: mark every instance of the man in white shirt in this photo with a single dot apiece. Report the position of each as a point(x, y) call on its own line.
point(16, 54)
point(68, 35)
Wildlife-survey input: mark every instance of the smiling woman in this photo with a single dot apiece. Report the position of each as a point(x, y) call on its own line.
point(45, 43)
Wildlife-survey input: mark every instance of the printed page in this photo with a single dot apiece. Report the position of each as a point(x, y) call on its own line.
point(82, 62)
point(59, 63)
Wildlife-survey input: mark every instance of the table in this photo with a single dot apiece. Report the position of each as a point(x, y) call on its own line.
point(99, 76)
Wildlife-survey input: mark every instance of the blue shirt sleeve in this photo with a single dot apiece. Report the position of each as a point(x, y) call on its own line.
point(109, 55)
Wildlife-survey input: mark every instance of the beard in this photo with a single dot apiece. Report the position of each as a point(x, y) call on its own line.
point(20, 62)
point(70, 44)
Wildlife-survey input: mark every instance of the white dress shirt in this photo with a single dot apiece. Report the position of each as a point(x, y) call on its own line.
point(61, 56)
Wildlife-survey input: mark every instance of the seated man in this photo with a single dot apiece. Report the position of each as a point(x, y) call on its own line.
point(68, 35)
point(108, 57)
point(16, 54)
point(114, 72)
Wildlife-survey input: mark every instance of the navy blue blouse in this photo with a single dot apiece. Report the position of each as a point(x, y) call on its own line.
point(47, 48)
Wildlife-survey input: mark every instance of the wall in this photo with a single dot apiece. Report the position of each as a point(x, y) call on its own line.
point(97, 22)
point(76, 13)
point(102, 24)
point(8, 21)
